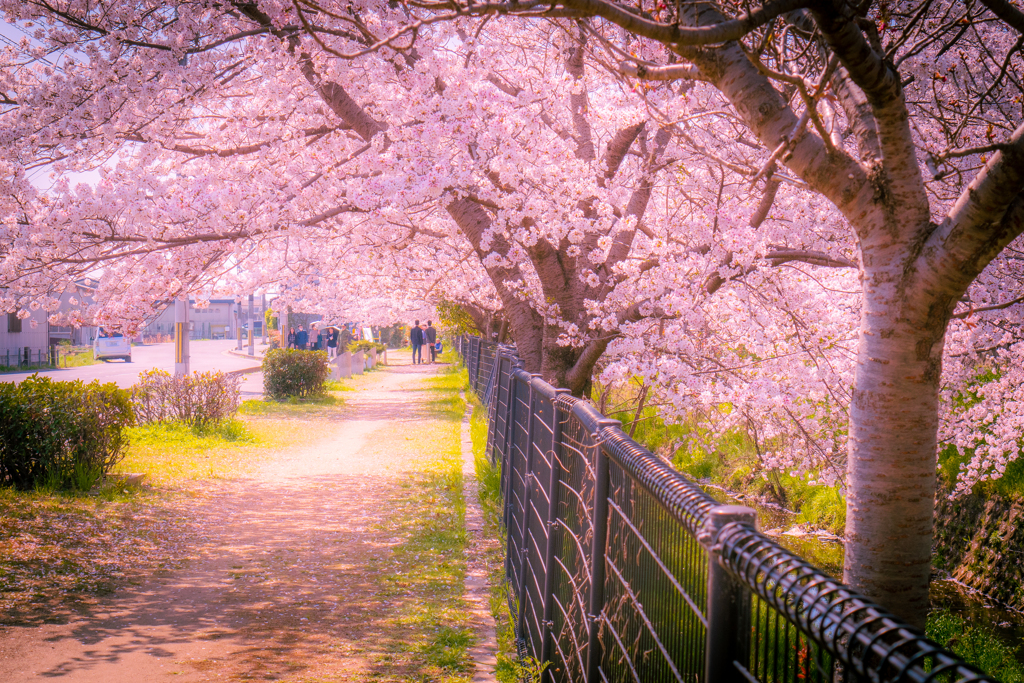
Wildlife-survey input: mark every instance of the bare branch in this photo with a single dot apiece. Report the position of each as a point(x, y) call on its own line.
point(1007, 12)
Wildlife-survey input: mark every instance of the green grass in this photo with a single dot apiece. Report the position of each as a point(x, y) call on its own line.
point(976, 644)
point(172, 452)
point(178, 436)
point(78, 360)
point(509, 668)
point(731, 461)
point(292, 406)
point(426, 573)
point(1009, 485)
point(338, 385)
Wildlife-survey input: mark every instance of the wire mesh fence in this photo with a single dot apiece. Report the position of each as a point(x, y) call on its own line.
point(618, 568)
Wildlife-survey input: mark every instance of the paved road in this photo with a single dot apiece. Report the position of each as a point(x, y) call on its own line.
point(205, 355)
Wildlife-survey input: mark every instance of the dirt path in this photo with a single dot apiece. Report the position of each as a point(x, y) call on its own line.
point(282, 585)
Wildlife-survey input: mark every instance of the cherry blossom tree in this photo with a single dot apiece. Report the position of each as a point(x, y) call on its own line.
point(708, 196)
point(919, 247)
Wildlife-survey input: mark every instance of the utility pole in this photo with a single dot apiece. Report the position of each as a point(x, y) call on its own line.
point(181, 335)
point(252, 323)
point(285, 323)
point(263, 308)
point(238, 321)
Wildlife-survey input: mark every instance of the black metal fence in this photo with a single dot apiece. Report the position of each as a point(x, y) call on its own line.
point(619, 568)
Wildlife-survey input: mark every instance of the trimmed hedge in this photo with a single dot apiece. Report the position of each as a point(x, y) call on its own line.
point(61, 435)
point(199, 400)
point(291, 372)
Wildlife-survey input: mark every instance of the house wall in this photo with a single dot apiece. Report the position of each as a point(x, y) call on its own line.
point(215, 320)
point(34, 335)
point(81, 293)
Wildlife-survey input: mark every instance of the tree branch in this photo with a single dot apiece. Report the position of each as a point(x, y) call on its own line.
point(814, 258)
point(982, 309)
point(674, 34)
point(669, 72)
point(987, 216)
point(1007, 12)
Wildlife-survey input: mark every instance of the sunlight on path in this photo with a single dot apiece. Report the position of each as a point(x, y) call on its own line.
point(286, 584)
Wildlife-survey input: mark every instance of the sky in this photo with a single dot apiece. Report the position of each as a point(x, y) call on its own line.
point(12, 34)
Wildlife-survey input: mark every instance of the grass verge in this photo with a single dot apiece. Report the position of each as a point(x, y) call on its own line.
point(732, 462)
point(78, 360)
point(422, 581)
point(509, 669)
point(171, 453)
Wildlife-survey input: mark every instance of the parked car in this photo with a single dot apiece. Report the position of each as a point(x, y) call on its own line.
point(111, 345)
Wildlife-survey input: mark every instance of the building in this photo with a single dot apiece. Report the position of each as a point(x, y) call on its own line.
point(24, 340)
point(218, 320)
point(78, 297)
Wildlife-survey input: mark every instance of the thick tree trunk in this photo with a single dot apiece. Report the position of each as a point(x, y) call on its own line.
point(892, 444)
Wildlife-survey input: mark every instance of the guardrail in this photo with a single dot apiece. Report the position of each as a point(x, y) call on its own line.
point(618, 568)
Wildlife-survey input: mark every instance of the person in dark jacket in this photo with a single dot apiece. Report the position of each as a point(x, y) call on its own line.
point(416, 341)
point(332, 342)
point(430, 339)
point(301, 338)
point(291, 338)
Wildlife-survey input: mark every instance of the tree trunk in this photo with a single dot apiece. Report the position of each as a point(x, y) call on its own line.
point(892, 445)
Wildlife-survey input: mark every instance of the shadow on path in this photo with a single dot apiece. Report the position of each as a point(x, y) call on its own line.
point(281, 581)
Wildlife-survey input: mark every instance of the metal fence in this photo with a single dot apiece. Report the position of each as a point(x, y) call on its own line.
point(27, 358)
point(618, 568)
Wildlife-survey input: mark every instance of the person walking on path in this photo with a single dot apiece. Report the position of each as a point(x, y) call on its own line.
point(291, 338)
point(332, 343)
point(430, 339)
point(301, 337)
point(416, 341)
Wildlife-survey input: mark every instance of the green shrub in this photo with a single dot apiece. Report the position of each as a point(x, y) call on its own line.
point(61, 435)
point(290, 372)
point(365, 346)
point(198, 400)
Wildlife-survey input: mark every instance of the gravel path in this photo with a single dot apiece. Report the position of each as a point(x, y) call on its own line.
point(280, 586)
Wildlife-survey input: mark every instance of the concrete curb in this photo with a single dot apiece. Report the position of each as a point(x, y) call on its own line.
point(244, 371)
point(243, 354)
point(477, 593)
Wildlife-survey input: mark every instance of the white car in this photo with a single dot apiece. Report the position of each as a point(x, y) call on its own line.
point(113, 345)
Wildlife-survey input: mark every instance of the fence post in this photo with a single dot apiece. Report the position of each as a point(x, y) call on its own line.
point(492, 411)
point(509, 436)
point(525, 521)
point(728, 607)
point(599, 524)
point(472, 365)
point(549, 550)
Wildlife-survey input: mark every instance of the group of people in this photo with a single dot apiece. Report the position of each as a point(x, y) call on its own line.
point(315, 340)
point(420, 336)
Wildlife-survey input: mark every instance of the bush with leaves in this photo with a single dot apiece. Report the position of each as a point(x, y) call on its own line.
point(365, 346)
point(61, 435)
point(199, 400)
point(291, 372)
